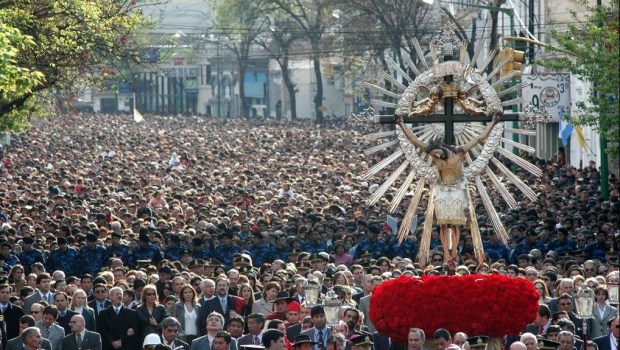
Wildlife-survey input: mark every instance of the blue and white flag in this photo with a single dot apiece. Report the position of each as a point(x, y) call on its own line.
point(566, 128)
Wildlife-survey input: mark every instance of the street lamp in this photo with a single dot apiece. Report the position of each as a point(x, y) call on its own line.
point(584, 301)
point(311, 290)
point(331, 306)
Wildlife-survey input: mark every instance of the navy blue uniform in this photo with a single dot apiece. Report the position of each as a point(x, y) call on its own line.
point(150, 252)
point(92, 260)
point(224, 254)
point(376, 247)
point(315, 248)
point(260, 254)
point(27, 258)
point(406, 249)
point(66, 261)
point(120, 251)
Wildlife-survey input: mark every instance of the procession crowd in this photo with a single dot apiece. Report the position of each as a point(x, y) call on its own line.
point(202, 233)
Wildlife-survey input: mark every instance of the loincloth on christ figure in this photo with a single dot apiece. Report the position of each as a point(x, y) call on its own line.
point(451, 203)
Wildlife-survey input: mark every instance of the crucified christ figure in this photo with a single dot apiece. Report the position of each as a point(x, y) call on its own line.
point(450, 199)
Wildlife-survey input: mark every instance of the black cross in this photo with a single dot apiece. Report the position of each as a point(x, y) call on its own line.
point(448, 118)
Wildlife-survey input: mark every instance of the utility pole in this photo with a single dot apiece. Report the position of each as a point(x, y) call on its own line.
point(219, 79)
point(603, 141)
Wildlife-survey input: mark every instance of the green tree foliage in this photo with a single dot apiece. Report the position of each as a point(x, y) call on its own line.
point(591, 48)
point(49, 45)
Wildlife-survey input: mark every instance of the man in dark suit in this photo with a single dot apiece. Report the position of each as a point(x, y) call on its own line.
point(80, 338)
point(256, 322)
point(542, 321)
point(605, 342)
point(11, 314)
point(64, 314)
point(17, 343)
point(100, 302)
point(117, 324)
point(169, 331)
point(565, 303)
point(223, 303)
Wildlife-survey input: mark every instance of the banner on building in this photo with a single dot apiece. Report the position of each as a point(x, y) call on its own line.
point(549, 92)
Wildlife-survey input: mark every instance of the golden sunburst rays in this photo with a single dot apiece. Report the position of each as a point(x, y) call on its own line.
point(405, 172)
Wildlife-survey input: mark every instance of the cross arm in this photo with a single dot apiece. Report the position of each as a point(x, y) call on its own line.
point(456, 118)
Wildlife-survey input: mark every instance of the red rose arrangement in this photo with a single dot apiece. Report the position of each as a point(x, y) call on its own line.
point(491, 305)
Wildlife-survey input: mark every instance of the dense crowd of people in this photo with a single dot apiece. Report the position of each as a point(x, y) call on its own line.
point(201, 233)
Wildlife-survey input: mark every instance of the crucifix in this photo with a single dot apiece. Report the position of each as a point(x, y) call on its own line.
point(449, 94)
point(448, 91)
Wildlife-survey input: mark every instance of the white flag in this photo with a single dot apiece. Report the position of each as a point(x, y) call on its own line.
point(137, 116)
point(393, 223)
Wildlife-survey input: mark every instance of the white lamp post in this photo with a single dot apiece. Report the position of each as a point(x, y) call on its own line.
point(311, 289)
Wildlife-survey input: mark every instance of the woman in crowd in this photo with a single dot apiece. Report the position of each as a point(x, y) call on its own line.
point(186, 311)
point(601, 312)
point(265, 305)
point(247, 293)
point(16, 277)
point(79, 305)
point(150, 313)
point(385, 265)
point(543, 292)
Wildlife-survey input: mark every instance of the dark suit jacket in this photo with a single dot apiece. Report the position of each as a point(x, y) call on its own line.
point(213, 304)
point(93, 305)
point(247, 339)
point(604, 342)
point(113, 327)
point(17, 344)
point(293, 331)
point(64, 321)
point(383, 342)
point(91, 340)
point(89, 317)
point(530, 328)
point(178, 344)
point(11, 315)
point(358, 296)
point(578, 321)
point(143, 315)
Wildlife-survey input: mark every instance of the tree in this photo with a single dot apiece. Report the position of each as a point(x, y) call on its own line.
point(55, 43)
point(391, 24)
point(313, 18)
point(240, 21)
point(592, 46)
point(278, 44)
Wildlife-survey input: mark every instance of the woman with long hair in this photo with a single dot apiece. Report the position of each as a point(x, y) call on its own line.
point(543, 292)
point(79, 304)
point(17, 278)
point(247, 293)
point(187, 311)
point(150, 313)
point(340, 279)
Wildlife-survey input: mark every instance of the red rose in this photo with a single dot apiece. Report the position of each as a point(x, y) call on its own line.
point(491, 305)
